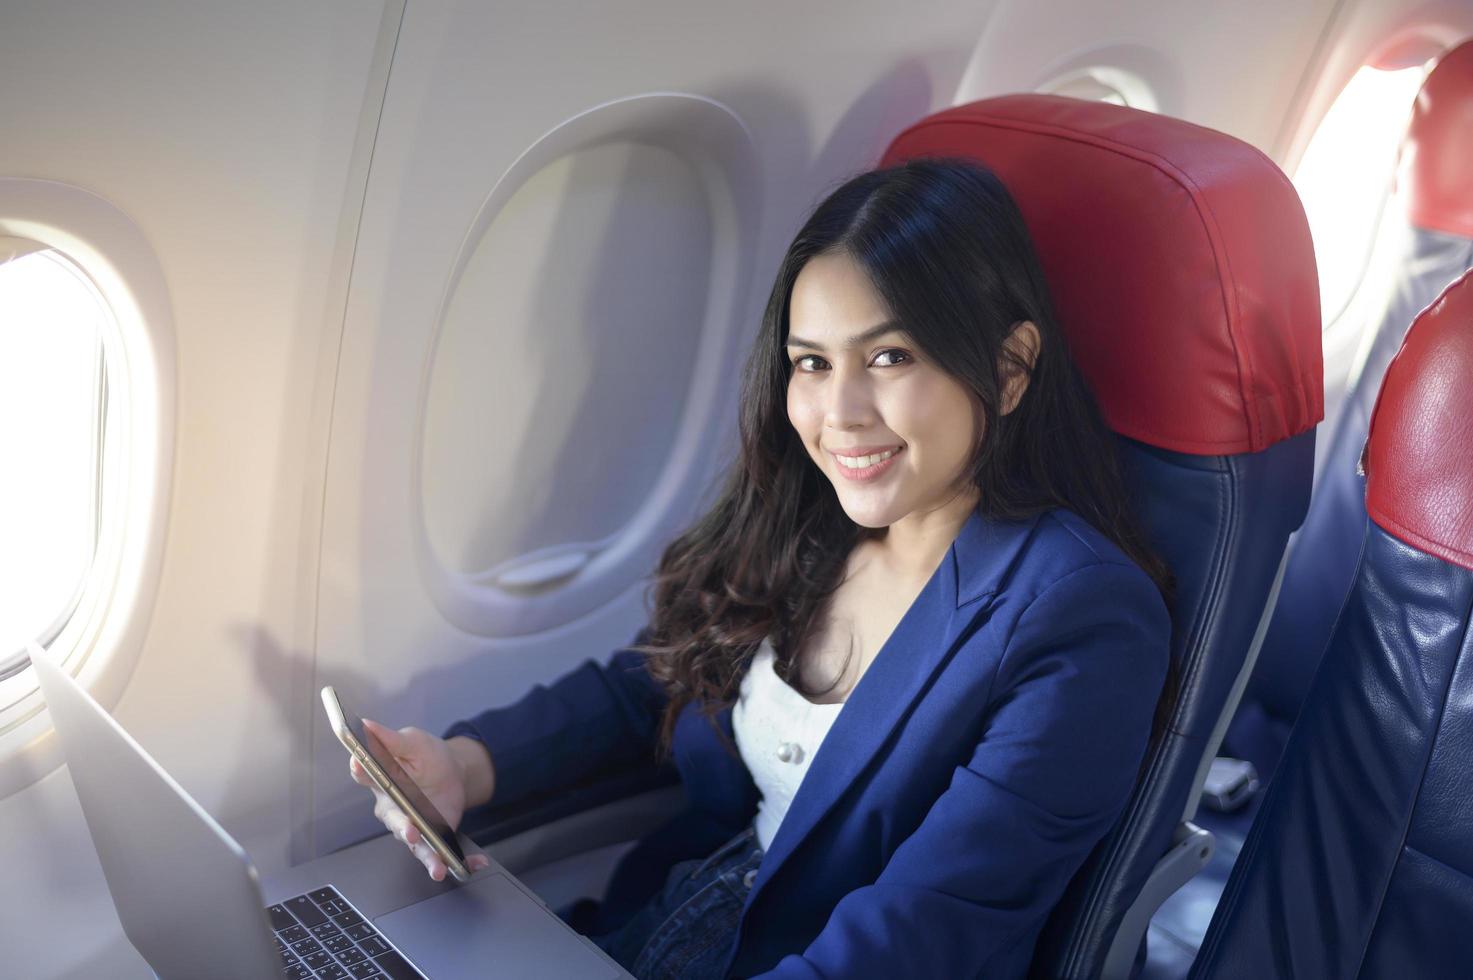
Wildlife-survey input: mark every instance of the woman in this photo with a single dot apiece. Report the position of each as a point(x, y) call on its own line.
point(924, 564)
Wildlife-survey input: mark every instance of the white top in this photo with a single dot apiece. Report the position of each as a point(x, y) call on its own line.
point(777, 731)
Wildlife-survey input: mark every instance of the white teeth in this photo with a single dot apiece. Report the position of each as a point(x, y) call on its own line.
point(860, 462)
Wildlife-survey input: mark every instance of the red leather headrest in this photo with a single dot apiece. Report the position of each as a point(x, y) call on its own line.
point(1179, 260)
point(1433, 165)
point(1419, 454)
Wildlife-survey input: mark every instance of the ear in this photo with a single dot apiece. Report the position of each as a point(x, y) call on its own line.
point(1015, 365)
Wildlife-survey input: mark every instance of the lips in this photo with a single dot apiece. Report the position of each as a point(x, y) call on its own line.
point(874, 470)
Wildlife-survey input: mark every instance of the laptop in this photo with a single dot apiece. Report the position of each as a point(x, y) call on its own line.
point(191, 903)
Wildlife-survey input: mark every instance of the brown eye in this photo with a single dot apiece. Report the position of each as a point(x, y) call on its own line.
point(892, 350)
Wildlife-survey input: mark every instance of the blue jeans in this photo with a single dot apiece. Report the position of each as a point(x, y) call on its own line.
point(686, 929)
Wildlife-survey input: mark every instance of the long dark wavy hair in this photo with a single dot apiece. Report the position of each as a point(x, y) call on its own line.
point(946, 248)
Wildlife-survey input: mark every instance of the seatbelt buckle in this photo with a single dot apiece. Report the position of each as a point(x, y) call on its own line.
point(1230, 784)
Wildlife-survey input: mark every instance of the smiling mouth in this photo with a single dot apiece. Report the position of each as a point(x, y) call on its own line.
point(869, 466)
point(869, 459)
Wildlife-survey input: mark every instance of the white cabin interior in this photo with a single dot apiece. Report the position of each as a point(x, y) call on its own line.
point(391, 405)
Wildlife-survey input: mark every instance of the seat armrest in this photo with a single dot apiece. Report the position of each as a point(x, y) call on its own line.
point(1190, 851)
point(491, 823)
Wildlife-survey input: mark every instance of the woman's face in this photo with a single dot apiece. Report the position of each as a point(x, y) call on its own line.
point(861, 388)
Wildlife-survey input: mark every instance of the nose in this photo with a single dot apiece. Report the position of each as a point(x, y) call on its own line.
point(848, 399)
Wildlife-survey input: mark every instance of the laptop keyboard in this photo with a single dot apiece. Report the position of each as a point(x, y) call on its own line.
point(320, 935)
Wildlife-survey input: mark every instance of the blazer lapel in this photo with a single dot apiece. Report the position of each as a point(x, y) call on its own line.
point(920, 644)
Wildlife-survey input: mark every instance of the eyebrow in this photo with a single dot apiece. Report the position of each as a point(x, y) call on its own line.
point(878, 330)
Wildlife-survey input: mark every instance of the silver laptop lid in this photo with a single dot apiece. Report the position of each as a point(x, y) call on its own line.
point(186, 892)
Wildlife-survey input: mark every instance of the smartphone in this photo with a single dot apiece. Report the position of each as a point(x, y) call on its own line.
point(379, 763)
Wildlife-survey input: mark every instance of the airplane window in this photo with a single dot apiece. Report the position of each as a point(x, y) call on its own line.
point(1092, 89)
point(1103, 83)
point(545, 334)
point(52, 399)
point(1344, 178)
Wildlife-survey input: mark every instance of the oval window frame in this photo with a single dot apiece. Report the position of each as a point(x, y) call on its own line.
point(1093, 82)
point(102, 641)
point(713, 140)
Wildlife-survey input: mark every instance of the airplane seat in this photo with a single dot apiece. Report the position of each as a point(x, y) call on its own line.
point(1437, 248)
point(1183, 275)
point(1182, 271)
point(1361, 861)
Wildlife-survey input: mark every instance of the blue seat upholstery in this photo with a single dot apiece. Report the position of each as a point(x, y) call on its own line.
point(1180, 262)
point(1222, 524)
point(1360, 863)
point(1436, 247)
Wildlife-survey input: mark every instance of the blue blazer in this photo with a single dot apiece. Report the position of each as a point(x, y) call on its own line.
point(989, 746)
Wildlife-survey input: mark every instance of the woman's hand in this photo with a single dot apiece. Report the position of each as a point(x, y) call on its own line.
point(450, 776)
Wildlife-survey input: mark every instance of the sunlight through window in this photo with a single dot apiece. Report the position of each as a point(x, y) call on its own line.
point(1345, 176)
point(52, 397)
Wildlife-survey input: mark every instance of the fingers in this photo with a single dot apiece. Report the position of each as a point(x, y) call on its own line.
point(395, 741)
point(390, 815)
point(407, 745)
point(424, 853)
point(406, 832)
point(359, 774)
point(403, 745)
point(398, 824)
point(475, 858)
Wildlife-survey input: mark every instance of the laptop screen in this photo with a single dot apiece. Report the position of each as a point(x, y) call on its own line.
point(185, 891)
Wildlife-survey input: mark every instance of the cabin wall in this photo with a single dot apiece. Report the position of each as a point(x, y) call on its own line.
point(1233, 67)
point(308, 175)
point(226, 133)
